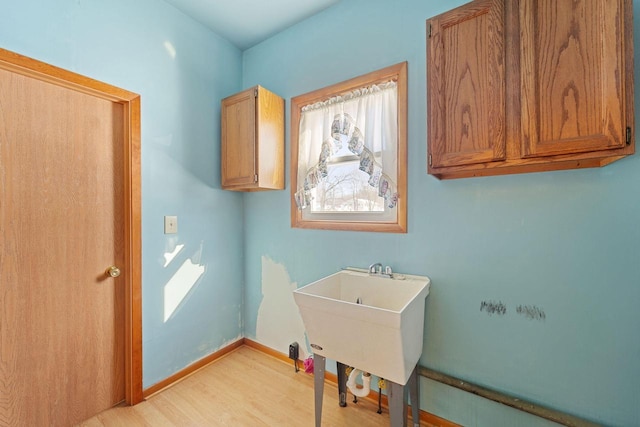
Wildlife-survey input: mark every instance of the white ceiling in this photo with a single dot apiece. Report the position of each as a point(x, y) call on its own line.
point(248, 22)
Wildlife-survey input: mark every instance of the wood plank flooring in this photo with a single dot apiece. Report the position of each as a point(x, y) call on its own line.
point(244, 388)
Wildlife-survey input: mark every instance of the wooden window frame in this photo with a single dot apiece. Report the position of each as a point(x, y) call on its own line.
point(397, 72)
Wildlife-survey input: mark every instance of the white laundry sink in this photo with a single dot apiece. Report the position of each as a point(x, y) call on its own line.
point(382, 334)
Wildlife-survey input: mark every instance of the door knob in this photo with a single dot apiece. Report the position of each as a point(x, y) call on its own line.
point(113, 271)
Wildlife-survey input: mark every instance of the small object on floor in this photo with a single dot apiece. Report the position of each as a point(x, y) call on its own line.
point(308, 365)
point(381, 386)
point(293, 354)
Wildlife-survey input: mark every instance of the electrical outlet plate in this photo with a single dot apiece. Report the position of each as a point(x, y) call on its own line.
point(170, 224)
point(293, 351)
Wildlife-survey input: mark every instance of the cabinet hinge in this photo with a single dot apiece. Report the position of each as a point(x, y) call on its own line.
point(255, 92)
point(255, 178)
point(628, 136)
point(430, 160)
point(430, 28)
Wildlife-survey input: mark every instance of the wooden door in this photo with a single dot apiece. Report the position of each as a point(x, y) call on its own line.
point(62, 210)
point(573, 76)
point(238, 150)
point(466, 85)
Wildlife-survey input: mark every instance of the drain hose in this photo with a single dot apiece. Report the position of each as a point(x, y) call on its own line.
point(366, 383)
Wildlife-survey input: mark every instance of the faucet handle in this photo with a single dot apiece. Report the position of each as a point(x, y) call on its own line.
point(388, 271)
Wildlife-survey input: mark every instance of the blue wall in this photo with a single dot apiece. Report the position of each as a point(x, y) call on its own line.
point(181, 70)
point(566, 244)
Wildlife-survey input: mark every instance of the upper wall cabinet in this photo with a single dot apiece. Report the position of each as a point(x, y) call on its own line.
point(529, 85)
point(467, 85)
point(252, 148)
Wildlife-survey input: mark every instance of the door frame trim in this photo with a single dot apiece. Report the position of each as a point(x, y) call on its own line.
point(130, 101)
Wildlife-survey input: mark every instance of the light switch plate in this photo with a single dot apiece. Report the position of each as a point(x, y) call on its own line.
point(170, 224)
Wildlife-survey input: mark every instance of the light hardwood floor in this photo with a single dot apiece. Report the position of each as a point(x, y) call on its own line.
point(244, 388)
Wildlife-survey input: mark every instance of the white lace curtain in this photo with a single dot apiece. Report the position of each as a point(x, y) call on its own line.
point(365, 121)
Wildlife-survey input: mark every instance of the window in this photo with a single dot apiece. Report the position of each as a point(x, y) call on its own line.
point(348, 154)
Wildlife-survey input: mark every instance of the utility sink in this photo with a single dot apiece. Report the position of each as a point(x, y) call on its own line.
point(370, 322)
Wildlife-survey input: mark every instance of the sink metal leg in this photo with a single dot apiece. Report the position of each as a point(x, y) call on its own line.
point(397, 395)
point(342, 383)
point(414, 395)
point(319, 363)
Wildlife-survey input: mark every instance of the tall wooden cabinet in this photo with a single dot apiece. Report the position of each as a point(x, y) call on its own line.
point(252, 148)
point(529, 85)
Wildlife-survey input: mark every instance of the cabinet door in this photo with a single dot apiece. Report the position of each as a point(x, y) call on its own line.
point(238, 150)
point(572, 76)
point(270, 140)
point(466, 85)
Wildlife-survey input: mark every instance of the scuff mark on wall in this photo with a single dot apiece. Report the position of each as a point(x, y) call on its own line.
point(279, 322)
point(531, 312)
point(492, 307)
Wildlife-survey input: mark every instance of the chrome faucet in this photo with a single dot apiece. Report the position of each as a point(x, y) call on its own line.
point(375, 268)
